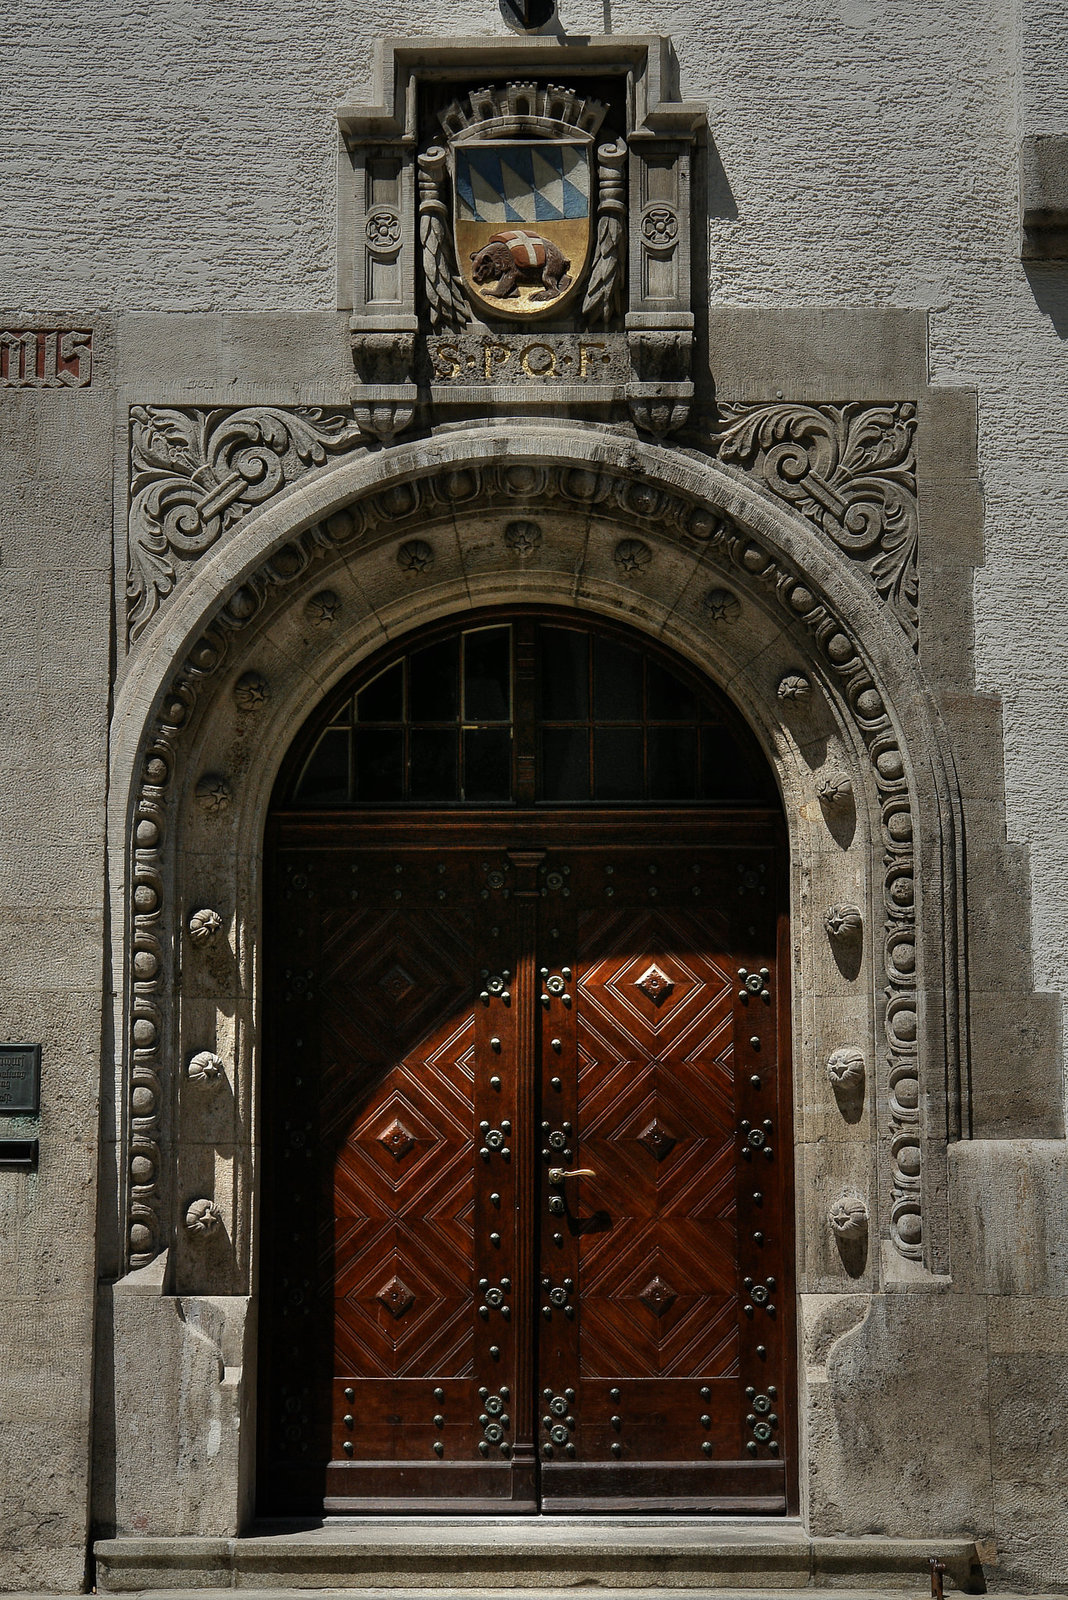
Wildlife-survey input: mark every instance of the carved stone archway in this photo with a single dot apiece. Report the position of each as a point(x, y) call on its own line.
point(364, 550)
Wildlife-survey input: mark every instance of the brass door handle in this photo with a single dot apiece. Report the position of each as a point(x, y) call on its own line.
point(557, 1175)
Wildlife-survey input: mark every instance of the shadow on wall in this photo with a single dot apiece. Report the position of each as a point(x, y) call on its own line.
point(1049, 285)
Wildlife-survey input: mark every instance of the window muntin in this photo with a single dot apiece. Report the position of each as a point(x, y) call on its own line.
point(574, 715)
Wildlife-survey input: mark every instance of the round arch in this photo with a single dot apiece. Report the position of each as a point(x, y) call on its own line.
point(685, 551)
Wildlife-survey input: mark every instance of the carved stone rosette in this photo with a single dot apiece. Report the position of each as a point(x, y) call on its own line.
point(500, 487)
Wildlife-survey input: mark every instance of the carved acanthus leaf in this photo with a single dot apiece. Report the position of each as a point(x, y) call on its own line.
point(851, 470)
point(195, 472)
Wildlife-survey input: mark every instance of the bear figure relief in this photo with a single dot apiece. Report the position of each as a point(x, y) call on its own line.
point(515, 254)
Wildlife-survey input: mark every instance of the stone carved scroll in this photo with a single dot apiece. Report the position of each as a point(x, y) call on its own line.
point(446, 300)
point(408, 507)
point(195, 472)
point(851, 470)
point(604, 292)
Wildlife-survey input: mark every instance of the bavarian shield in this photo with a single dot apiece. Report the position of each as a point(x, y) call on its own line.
point(522, 222)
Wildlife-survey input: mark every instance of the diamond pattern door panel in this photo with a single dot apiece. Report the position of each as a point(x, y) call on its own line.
point(392, 1232)
point(658, 1060)
point(526, 1184)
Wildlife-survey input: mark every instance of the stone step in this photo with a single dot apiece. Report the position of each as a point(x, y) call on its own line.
point(499, 1554)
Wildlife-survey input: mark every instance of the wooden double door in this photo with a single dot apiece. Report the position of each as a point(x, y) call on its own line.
point(527, 1177)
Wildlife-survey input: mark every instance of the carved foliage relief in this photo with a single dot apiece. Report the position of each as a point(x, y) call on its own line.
point(850, 470)
point(196, 472)
point(407, 508)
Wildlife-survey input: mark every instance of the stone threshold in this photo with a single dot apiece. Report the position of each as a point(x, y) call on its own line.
point(520, 1554)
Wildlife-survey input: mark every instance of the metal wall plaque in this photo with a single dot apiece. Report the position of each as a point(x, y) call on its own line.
point(20, 1078)
point(21, 1154)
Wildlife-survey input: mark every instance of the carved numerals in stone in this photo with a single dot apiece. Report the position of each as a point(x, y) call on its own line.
point(46, 358)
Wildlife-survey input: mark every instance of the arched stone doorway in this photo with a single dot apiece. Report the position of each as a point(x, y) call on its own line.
point(527, 1185)
point(688, 554)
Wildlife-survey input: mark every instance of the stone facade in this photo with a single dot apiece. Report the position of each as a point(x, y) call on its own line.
point(807, 465)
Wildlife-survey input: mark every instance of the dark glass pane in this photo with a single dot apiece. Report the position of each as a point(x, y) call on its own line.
point(669, 700)
point(617, 764)
point(383, 699)
point(434, 682)
point(672, 763)
point(565, 690)
point(434, 768)
point(326, 774)
point(564, 764)
point(487, 764)
point(617, 682)
point(487, 675)
point(724, 774)
point(380, 765)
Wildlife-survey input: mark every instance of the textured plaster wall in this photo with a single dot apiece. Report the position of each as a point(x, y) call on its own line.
point(55, 582)
point(181, 157)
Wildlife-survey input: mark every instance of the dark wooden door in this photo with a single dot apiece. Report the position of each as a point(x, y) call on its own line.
point(449, 1321)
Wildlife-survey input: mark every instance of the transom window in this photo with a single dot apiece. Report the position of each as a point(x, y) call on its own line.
point(530, 711)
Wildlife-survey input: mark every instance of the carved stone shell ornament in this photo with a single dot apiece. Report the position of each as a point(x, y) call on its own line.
point(835, 790)
point(415, 556)
point(251, 691)
point(631, 556)
point(522, 537)
point(722, 606)
point(322, 609)
point(795, 686)
point(202, 1219)
point(205, 1067)
point(846, 1067)
point(213, 793)
point(843, 922)
point(204, 926)
point(849, 1217)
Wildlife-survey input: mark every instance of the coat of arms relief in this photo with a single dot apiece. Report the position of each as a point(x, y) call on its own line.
point(523, 168)
point(519, 240)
